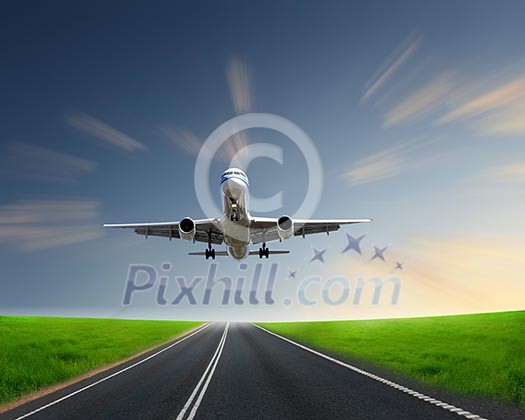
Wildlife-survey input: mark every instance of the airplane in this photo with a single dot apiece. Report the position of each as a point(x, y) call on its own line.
point(236, 228)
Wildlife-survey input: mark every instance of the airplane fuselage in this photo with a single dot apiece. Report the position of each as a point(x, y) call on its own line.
point(235, 220)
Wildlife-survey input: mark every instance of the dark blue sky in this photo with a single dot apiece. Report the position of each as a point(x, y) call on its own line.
point(414, 107)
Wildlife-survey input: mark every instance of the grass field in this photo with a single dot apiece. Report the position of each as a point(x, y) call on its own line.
point(478, 355)
point(39, 351)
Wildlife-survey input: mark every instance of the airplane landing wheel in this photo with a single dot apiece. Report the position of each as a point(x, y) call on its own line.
point(209, 253)
point(264, 251)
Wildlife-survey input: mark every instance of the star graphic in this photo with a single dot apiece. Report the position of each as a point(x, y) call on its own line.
point(292, 273)
point(353, 244)
point(318, 255)
point(399, 266)
point(378, 253)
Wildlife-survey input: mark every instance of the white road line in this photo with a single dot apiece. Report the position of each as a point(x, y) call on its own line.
point(78, 391)
point(205, 387)
point(205, 376)
point(401, 388)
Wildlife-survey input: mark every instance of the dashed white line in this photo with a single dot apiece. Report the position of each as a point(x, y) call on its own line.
point(206, 378)
point(401, 388)
point(78, 391)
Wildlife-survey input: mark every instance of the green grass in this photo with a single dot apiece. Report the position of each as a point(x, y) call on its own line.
point(40, 351)
point(478, 355)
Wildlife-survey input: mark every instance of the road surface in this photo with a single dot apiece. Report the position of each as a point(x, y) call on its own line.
point(234, 371)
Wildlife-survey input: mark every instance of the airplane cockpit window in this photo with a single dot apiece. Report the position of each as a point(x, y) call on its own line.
point(241, 173)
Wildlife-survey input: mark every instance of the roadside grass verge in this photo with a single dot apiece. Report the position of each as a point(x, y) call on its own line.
point(39, 351)
point(479, 355)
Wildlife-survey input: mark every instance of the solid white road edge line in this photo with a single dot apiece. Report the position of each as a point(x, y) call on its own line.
point(404, 389)
point(78, 391)
point(212, 365)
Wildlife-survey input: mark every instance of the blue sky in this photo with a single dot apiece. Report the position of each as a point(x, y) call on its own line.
point(417, 111)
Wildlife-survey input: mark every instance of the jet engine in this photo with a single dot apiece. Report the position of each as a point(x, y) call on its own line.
point(285, 227)
point(187, 228)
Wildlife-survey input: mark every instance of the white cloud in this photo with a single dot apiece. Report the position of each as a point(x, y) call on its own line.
point(188, 142)
point(504, 95)
point(23, 159)
point(422, 102)
point(390, 162)
point(509, 121)
point(185, 140)
point(509, 173)
point(238, 77)
point(400, 56)
point(383, 164)
point(104, 132)
point(239, 82)
point(33, 225)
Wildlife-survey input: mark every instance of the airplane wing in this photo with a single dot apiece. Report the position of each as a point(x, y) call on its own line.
point(203, 229)
point(264, 229)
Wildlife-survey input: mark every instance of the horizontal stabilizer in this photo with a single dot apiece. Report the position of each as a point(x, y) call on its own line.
point(277, 251)
point(253, 252)
point(217, 253)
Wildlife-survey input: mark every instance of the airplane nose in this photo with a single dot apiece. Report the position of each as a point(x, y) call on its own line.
point(233, 187)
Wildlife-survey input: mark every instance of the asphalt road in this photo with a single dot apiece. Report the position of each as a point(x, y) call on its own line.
point(232, 371)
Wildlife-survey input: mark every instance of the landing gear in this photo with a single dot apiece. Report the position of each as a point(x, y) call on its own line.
point(264, 251)
point(234, 217)
point(210, 252)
